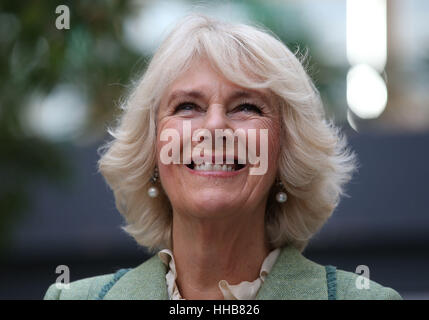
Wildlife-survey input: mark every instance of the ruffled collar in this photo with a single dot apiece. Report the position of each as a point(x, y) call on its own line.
point(245, 290)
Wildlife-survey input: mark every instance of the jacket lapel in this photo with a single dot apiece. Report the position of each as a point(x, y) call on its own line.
point(146, 282)
point(292, 277)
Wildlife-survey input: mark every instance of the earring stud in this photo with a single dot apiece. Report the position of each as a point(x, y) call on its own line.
point(153, 191)
point(281, 196)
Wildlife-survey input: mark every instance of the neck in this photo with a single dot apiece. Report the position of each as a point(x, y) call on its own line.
point(207, 250)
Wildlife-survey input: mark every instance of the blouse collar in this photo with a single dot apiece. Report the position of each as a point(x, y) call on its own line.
point(245, 290)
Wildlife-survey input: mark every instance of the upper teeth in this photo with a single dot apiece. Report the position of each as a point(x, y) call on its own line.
point(214, 167)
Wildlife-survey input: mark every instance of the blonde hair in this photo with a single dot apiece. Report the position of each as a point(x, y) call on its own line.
point(314, 162)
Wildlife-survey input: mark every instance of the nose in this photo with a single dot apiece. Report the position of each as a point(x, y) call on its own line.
point(215, 118)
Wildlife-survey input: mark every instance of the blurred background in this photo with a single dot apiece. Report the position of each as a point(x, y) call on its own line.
point(60, 89)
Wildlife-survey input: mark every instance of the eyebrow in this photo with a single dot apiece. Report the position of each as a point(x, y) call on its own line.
point(187, 93)
point(238, 94)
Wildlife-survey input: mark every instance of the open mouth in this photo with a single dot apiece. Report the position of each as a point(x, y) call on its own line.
point(216, 167)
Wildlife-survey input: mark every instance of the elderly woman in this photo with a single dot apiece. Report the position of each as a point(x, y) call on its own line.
point(223, 163)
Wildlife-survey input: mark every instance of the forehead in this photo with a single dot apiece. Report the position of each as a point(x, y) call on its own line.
point(201, 79)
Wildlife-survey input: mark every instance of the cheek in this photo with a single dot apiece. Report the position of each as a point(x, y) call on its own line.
point(163, 126)
point(269, 145)
point(171, 131)
point(274, 143)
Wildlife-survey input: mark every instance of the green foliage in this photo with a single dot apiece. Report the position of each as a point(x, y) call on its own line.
point(36, 56)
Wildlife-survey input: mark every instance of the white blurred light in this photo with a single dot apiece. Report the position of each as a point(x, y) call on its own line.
point(366, 92)
point(58, 116)
point(367, 33)
point(145, 30)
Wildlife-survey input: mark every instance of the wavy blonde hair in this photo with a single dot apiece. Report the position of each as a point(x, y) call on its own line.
point(314, 161)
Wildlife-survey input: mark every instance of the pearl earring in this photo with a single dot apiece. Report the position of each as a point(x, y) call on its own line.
point(153, 191)
point(281, 196)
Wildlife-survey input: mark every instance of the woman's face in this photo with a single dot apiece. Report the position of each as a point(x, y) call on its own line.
point(206, 100)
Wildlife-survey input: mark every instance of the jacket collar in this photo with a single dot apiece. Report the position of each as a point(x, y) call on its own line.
point(146, 282)
point(292, 277)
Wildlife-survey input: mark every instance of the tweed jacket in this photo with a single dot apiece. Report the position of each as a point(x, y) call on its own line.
point(292, 277)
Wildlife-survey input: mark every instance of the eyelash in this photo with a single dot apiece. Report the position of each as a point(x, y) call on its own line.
point(181, 106)
point(254, 108)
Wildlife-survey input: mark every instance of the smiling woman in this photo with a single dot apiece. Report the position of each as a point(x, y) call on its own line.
point(221, 232)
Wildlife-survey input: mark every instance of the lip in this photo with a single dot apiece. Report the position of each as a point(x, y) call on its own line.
point(217, 174)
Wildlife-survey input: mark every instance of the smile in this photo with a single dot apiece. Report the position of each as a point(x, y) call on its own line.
point(216, 167)
point(180, 146)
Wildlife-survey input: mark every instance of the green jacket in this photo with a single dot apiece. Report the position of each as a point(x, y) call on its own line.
point(292, 277)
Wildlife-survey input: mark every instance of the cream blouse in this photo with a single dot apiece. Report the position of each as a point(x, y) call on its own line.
point(243, 291)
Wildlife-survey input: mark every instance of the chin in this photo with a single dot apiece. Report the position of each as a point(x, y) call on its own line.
point(215, 203)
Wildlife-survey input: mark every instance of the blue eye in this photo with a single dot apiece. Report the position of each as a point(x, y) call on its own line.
point(186, 106)
point(248, 107)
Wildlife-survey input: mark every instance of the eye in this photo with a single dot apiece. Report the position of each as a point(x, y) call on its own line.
point(248, 108)
point(185, 107)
